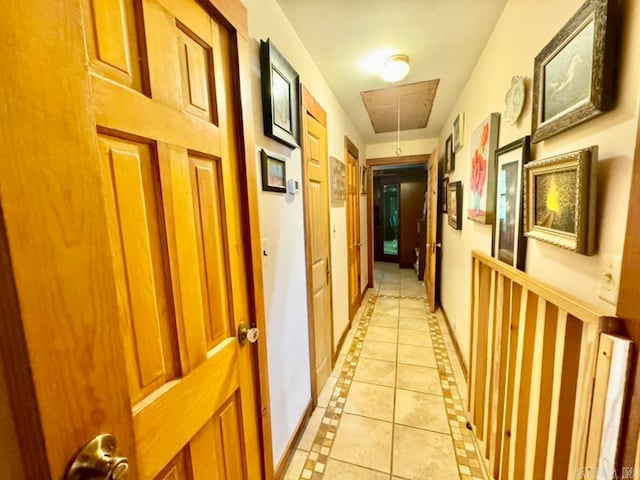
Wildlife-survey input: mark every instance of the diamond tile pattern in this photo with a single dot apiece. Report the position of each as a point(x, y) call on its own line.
point(392, 407)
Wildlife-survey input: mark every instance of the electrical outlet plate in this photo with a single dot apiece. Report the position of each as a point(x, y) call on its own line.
point(609, 285)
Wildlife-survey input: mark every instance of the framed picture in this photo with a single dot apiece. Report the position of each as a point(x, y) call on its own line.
point(280, 96)
point(449, 156)
point(338, 181)
point(574, 74)
point(458, 132)
point(560, 200)
point(454, 204)
point(509, 242)
point(484, 142)
point(274, 173)
point(364, 180)
point(443, 195)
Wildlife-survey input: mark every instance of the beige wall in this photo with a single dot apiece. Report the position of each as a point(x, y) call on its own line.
point(410, 147)
point(524, 28)
point(282, 228)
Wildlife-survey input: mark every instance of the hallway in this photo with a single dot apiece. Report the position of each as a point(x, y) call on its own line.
point(393, 406)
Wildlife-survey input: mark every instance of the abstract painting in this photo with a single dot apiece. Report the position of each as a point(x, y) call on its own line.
point(560, 200)
point(509, 242)
point(482, 183)
point(274, 173)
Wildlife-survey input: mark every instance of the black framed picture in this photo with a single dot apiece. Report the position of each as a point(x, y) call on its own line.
point(449, 155)
point(509, 242)
point(454, 204)
point(445, 185)
point(274, 173)
point(574, 74)
point(280, 96)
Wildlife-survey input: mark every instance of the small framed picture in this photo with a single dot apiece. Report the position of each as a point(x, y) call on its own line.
point(449, 156)
point(454, 204)
point(364, 180)
point(483, 144)
point(573, 75)
point(560, 200)
point(509, 242)
point(280, 96)
point(274, 173)
point(458, 132)
point(443, 194)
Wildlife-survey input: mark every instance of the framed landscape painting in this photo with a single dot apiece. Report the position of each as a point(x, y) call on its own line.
point(560, 200)
point(280, 96)
point(274, 173)
point(454, 204)
point(484, 142)
point(574, 74)
point(509, 241)
point(458, 132)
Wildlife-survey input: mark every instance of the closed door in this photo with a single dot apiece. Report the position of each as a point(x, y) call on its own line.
point(353, 232)
point(184, 406)
point(319, 248)
point(432, 231)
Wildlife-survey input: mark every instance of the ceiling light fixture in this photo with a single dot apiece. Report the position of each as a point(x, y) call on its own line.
point(396, 68)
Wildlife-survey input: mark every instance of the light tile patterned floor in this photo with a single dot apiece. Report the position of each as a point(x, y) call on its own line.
point(392, 408)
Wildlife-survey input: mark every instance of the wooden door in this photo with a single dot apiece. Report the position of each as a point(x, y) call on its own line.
point(147, 247)
point(353, 228)
point(316, 189)
point(432, 253)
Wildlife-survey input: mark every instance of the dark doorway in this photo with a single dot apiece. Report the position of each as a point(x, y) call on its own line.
point(398, 217)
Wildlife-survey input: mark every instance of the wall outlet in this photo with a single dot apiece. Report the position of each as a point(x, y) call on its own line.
point(609, 285)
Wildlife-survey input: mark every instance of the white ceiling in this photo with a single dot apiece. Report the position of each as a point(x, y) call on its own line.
point(345, 38)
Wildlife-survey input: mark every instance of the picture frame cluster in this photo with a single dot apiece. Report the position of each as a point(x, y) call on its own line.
point(553, 199)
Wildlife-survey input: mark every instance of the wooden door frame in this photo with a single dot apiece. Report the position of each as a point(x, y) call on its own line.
point(45, 447)
point(311, 106)
point(375, 162)
point(350, 148)
point(629, 310)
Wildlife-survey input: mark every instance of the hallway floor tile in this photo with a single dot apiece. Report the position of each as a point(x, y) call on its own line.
point(392, 408)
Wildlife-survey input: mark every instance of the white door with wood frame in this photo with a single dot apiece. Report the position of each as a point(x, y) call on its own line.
point(128, 284)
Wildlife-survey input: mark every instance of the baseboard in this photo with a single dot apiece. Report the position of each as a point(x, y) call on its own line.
point(282, 466)
point(341, 342)
point(455, 342)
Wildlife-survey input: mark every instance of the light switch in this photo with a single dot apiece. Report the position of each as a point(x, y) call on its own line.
point(609, 286)
point(265, 254)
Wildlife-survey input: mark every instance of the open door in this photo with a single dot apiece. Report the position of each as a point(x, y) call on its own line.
point(432, 254)
point(128, 245)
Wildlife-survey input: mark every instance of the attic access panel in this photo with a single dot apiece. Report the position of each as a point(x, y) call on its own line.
point(416, 102)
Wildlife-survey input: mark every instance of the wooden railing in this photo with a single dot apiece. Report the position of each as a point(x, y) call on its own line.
point(534, 352)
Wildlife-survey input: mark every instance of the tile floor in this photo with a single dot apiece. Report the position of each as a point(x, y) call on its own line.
point(392, 408)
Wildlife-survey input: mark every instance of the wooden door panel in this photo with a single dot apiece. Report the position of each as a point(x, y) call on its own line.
point(196, 66)
point(112, 41)
point(206, 182)
point(139, 254)
point(177, 469)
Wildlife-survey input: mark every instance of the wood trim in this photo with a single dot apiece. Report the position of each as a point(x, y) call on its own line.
point(351, 149)
point(311, 105)
point(629, 310)
point(283, 465)
point(343, 337)
point(585, 312)
point(250, 195)
point(232, 13)
point(406, 160)
point(370, 239)
point(456, 345)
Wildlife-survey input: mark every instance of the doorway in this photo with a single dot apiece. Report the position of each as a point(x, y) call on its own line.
point(353, 227)
point(315, 180)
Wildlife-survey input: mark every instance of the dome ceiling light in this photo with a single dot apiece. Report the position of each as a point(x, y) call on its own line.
point(395, 69)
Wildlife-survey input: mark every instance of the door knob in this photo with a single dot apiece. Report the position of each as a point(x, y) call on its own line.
point(99, 460)
point(247, 334)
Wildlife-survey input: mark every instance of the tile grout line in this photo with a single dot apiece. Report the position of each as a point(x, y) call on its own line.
point(464, 445)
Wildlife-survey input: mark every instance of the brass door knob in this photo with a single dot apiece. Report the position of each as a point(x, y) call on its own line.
point(99, 460)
